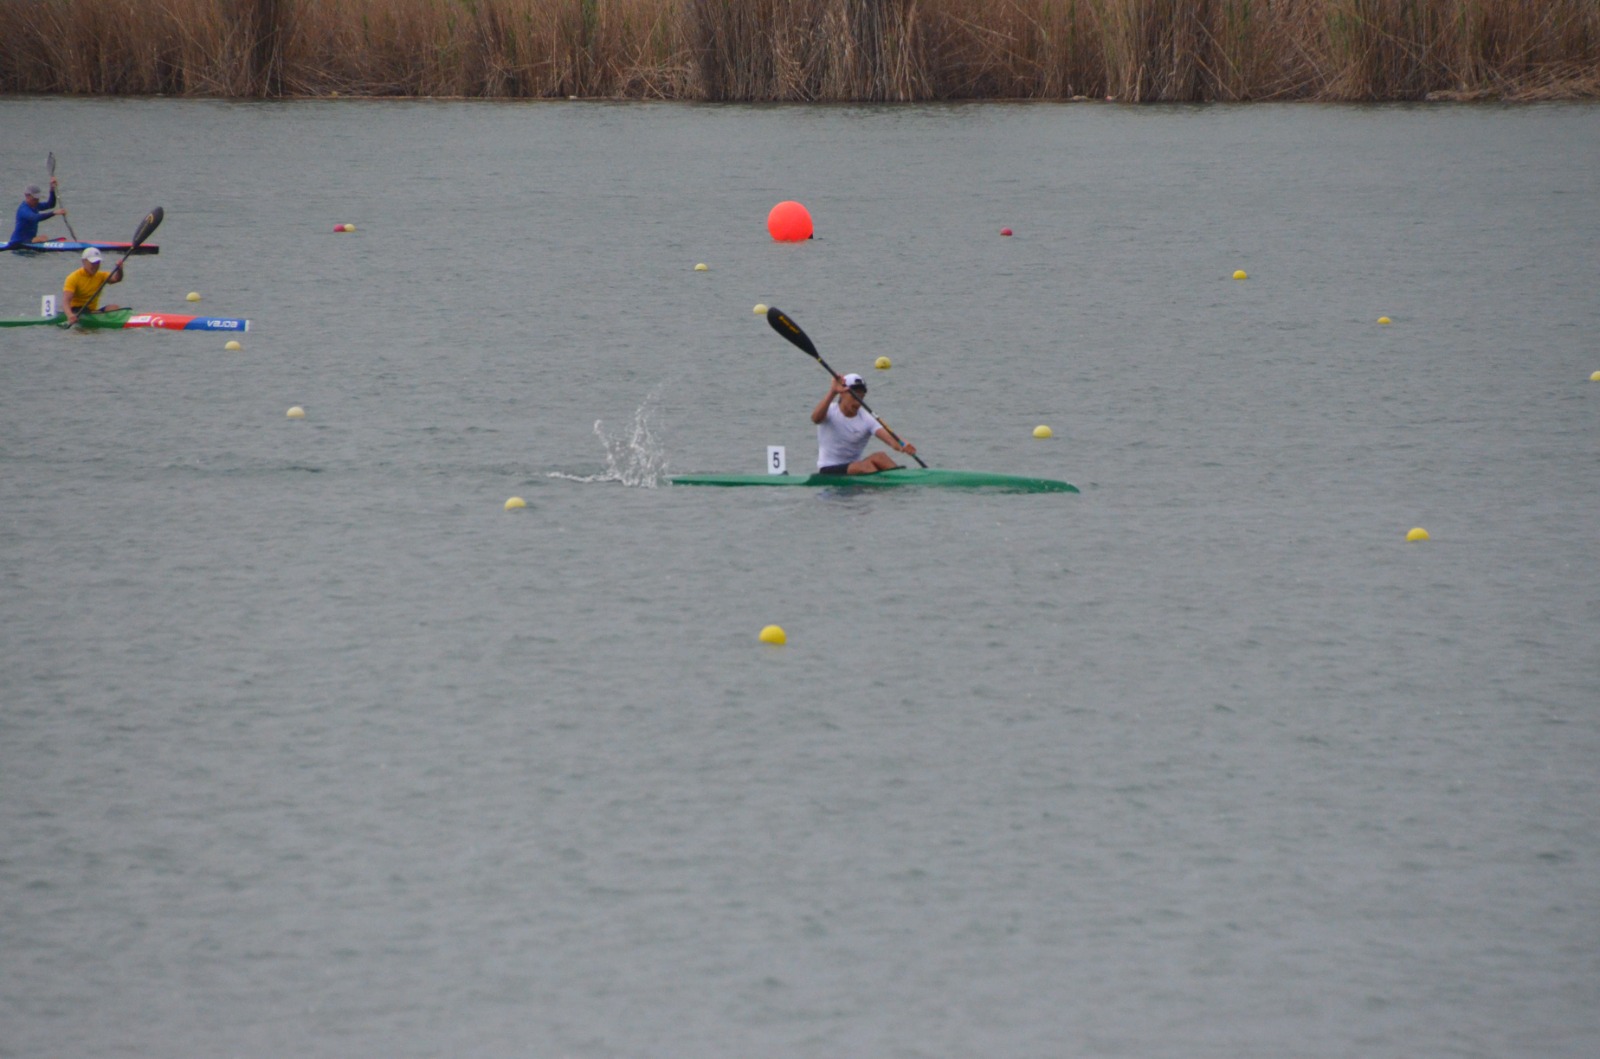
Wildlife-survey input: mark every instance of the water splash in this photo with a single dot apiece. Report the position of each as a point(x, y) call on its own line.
point(635, 458)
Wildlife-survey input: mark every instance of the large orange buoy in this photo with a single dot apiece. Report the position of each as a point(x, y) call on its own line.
point(789, 222)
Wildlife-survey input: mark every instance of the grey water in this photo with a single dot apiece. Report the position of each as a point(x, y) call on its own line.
point(309, 747)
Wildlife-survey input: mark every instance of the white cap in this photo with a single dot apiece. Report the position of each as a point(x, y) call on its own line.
point(855, 382)
point(91, 254)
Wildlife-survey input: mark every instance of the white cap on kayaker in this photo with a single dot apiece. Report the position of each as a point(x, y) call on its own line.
point(855, 382)
point(91, 254)
point(32, 191)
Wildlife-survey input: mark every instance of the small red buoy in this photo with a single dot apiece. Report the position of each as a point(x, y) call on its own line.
point(338, 227)
point(789, 222)
point(1005, 231)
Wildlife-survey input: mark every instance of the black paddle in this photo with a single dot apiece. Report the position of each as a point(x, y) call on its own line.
point(151, 222)
point(789, 329)
point(51, 163)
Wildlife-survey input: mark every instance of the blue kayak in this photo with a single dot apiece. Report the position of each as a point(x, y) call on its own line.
point(66, 246)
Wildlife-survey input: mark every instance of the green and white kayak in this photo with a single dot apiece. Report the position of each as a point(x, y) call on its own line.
point(933, 476)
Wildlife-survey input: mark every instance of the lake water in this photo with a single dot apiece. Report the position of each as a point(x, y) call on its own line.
point(308, 747)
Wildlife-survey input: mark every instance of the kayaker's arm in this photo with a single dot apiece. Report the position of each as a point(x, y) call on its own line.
point(888, 439)
point(47, 210)
point(819, 413)
point(56, 209)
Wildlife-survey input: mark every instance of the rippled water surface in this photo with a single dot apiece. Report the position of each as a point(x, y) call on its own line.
point(308, 747)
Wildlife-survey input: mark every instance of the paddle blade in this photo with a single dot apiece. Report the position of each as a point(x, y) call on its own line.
point(789, 329)
point(147, 227)
point(50, 163)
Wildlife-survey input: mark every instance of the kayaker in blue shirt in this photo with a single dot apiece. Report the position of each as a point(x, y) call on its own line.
point(31, 212)
point(844, 428)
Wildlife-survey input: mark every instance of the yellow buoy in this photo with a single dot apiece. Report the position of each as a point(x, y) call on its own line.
point(296, 412)
point(702, 267)
point(1384, 320)
point(349, 227)
point(192, 296)
point(1240, 274)
point(1417, 534)
point(760, 310)
point(1595, 377)
point(1042, 431)
point(233, 344)
point(882, 364)
point(516, 503)
point(773, 634)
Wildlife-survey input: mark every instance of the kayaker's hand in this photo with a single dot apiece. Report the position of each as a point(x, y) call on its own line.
point(908, 448)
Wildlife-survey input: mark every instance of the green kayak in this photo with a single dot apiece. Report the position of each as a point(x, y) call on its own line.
point(111, 321)
point(1006, 483)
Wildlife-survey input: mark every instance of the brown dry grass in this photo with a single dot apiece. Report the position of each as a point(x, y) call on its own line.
point(808, 50)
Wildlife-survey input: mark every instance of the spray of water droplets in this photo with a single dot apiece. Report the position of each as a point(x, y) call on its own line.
point(634, 457)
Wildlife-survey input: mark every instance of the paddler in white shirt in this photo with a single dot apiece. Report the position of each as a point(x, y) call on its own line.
point(844, 428)
point(81, 289)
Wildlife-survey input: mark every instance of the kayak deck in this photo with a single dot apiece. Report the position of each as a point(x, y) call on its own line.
point(112, 319)
point(68, 246)
point(906, 476)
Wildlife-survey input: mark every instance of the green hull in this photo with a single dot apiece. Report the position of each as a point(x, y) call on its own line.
point(110, 321)
point(1008, 483)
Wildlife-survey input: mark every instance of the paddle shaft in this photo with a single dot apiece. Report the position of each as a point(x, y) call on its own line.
point(151, 222)
point(51, 163)
point(789, 329)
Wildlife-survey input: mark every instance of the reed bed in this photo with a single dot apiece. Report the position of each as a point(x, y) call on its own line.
point(807, 50)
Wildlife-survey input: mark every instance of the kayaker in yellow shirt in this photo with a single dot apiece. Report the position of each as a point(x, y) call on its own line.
point(82, 288)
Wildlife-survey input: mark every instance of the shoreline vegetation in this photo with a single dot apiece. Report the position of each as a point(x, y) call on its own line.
point(808, 50)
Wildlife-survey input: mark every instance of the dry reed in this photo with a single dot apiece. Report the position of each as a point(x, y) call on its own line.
point(807, 50)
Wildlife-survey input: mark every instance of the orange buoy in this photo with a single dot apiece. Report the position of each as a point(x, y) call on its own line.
point(789, 222)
